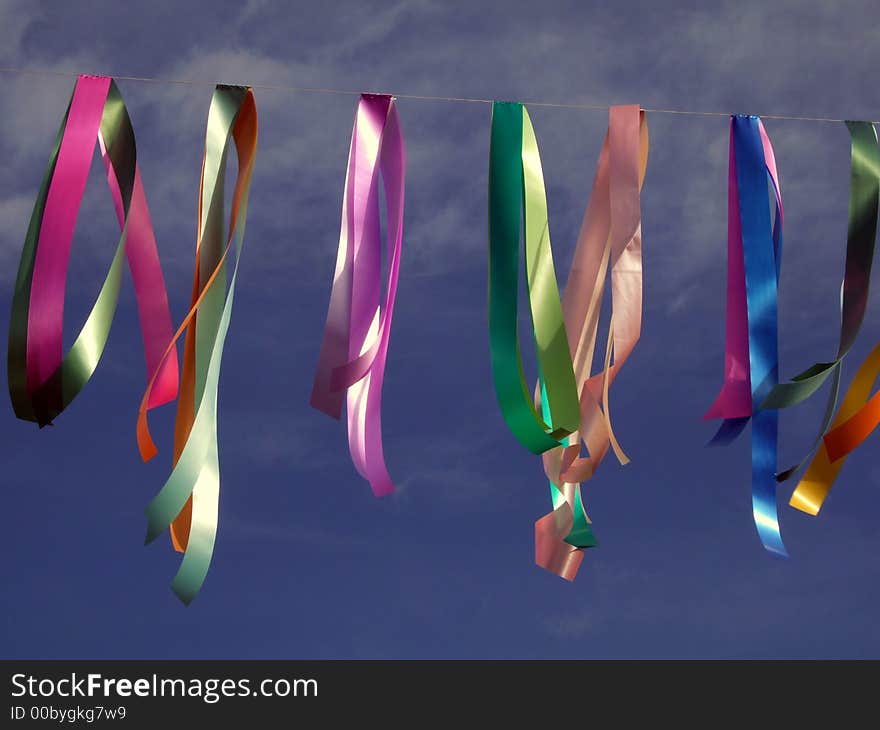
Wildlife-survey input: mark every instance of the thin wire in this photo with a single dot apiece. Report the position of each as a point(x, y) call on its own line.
point(413, 97)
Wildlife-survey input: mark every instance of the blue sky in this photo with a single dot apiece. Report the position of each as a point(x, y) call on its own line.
point(308, 564)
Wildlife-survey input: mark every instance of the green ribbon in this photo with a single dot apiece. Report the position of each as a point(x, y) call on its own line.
point(16, 355)
point(581, 533)
point(861, 233)
point(516, 190)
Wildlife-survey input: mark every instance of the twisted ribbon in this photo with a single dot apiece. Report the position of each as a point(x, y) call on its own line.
point(42, 383)
point(188, 502)
point(610, 234)
point(751, 354)
point(354, 348)
point(861, 233)
point(516, 190)
point(859, 414)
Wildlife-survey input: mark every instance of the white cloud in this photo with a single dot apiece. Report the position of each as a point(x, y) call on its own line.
point(568, 625)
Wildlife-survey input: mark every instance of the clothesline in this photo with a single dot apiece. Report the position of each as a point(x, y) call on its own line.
point(43, 381)
point(413, 97)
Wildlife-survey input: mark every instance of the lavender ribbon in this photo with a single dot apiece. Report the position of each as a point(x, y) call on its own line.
point(356, 334)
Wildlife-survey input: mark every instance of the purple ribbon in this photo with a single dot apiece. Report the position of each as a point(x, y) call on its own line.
point(355, 343)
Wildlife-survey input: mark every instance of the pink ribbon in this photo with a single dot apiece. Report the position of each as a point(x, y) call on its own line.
point(46, 310)
point(149, 285)
point(355, 344)
point(610, 236)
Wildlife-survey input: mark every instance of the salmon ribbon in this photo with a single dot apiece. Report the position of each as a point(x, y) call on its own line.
point(611, 235)
point(354, 349)
point(751, 360)
point(188, 502)
point(516, 192)
point(42, 383)
point(859, 412)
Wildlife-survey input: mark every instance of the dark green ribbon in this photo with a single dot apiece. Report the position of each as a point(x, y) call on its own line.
point(79, 364)
point(864, 197)
point(16, 354)
point(516, 191)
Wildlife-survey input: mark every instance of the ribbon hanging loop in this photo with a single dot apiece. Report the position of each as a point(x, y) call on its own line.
point(42, 382)
point(610, 237)
point(751, 353)
point(188, 502)
point(354, 349)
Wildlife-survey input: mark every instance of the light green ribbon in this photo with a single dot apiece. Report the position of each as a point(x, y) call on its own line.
point(197, 471)
point(516, 190)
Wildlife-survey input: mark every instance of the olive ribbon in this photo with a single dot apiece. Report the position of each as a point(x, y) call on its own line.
point(861, 234)
point(859, 413)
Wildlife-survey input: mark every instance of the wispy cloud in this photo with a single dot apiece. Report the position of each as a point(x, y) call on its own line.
point(309, 535)
point(568, 625)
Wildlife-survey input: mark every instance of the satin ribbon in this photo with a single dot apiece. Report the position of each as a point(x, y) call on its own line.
point(734, 402)
point(859, 413)
point(516, 191)
point(354, 349)
point(610, 235)
point(42, 383)
point(861, 233)
point(188, 502)
point(751, 354)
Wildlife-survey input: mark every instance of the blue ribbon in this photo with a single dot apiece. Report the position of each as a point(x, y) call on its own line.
point(762, 255)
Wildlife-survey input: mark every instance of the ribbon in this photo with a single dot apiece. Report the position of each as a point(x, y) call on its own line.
point(610, 235)
point(188, 502)
point(751, 353)
point(354, 348)
point(859, 413)
point(734, 402)
point(42, 383)
point(516, 190)
point(861, 233)
point(852, 422)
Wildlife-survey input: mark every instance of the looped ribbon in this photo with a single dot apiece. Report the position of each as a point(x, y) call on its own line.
point(516, 191)
point(610, 235)
point(751, 360)
point(858, 414)
point(354, 349)
point(861, 233)
point(188, 502)
point(42, 383)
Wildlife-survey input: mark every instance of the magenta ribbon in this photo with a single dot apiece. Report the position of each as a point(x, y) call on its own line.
point(355, 344)
point(149, 285)
point(734, 401)
point(46, 310)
